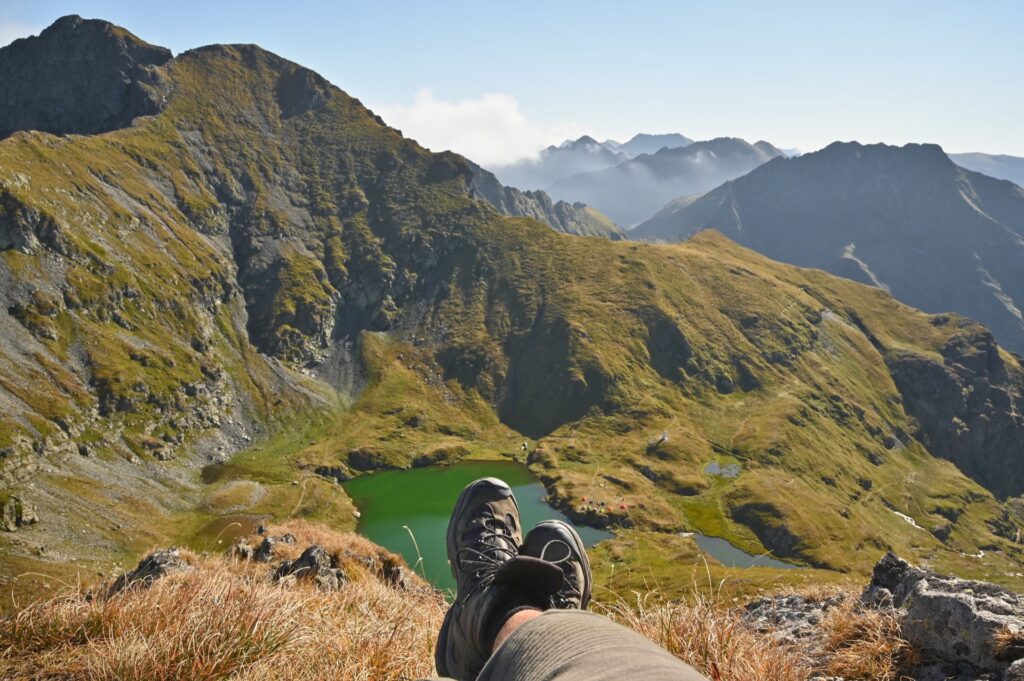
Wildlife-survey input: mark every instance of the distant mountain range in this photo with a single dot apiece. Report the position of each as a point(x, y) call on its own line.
point(907, 219)
point(581, 155)
point(648, 144)
point(995, 165)
point(633, 190)
point(562, 216)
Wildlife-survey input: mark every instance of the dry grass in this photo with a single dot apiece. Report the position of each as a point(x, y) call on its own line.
point(864, 644)
point(1008, 644)
point(227, 619)
point(710, 638)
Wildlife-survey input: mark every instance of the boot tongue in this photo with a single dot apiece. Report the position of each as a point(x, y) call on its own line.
point(531, 576)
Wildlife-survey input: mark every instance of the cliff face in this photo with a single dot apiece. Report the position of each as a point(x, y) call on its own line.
point(80, 76)
point(969, 407)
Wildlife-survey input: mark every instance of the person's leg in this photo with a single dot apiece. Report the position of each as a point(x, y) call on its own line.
point(511, 624)
point(566, 644)
point(571, 645)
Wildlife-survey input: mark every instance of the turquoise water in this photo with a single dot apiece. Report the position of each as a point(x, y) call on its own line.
point(730, 556)
point(421, 499)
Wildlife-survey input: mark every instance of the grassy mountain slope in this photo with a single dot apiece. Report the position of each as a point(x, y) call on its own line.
point(907, 219)
point(265, 246)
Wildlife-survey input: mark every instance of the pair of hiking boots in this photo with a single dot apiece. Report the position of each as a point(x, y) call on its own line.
point(498, 572)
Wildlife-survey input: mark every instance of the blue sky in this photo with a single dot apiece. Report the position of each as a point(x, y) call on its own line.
point(498, 80)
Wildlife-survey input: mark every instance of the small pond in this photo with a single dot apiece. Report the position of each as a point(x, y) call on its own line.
point(730, 556)
point(223, 531)
point(422, 499)
point(731, 470)
point(221, 472)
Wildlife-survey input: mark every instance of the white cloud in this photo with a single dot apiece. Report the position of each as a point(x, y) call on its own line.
point(12, 30)
point(489, 129)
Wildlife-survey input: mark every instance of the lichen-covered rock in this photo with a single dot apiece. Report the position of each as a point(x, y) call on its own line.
point(265, 552)
point(789, 618)
point(314, 565)
point(158, 564)
point(952, 620)
point(15, 512)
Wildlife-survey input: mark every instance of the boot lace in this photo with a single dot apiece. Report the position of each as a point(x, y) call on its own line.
point(570, 595)
point(492, 547)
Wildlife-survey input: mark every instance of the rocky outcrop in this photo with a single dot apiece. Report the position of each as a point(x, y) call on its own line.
point(79, 76)
point(15, 512)
point(265, 552)
point(158, 564)
point(314, 565)
point(969, 408)
point(952, 620)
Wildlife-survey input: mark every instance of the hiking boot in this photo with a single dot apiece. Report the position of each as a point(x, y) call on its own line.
point(557, 542)
point(492, 580)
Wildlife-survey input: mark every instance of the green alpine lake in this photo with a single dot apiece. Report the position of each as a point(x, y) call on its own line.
point(407, 511)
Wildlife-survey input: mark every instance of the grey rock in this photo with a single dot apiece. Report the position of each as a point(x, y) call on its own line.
point(313, 565)
point(952, 620)
point(788, 618)
point(1015, 672)
point(242, 550)
point(158, 564)
point(969, 407)
point(336, 473)
point(562, 216)
point(265, 552)
point(79, 76)
point(15, 512)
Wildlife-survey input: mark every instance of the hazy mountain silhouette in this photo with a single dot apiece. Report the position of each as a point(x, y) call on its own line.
point(633, 190)
point(995, 165)
point(581, 155)
point(644, 143)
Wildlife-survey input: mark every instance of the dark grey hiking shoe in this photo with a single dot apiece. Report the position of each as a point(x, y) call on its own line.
point(557, 542)
point(492, 579)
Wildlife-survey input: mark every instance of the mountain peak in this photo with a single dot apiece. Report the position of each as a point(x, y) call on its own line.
point(584, 142)
point(79, 76)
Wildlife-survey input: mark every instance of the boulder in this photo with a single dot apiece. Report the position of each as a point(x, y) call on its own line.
point(315, 565)
point(952, 620)
point(15, 512)
point(265, 552)
point(160, 563)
